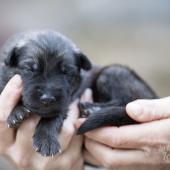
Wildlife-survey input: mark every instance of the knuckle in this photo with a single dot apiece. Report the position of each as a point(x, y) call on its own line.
point(164, 154)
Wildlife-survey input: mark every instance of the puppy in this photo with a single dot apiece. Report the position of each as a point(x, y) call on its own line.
point(113, 88)
point(50, 66)
point(55, 72)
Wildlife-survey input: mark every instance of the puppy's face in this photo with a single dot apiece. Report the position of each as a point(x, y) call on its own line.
point(49, 65)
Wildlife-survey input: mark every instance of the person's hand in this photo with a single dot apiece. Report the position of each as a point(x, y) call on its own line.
point(148, 110)
point(143, 146)
point(16, 145)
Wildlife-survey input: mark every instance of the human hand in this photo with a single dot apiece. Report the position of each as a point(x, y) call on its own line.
point(149, 110)
point(16, 145)
point(142, 146)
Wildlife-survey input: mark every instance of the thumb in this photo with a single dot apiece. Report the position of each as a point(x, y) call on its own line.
point(149, 110)
point(10, 96)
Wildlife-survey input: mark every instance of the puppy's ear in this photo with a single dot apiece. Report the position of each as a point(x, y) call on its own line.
point(11, 58)
point(82, 61)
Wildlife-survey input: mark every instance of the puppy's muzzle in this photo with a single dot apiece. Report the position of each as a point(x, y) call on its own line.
point(47, 99)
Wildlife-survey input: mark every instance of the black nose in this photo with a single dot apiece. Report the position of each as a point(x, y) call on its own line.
point(47, 99)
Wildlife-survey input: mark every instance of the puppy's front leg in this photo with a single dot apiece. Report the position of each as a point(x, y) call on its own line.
point(17, 116)
point(45, 138)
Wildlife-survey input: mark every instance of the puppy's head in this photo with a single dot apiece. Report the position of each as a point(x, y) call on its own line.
point(50, 66)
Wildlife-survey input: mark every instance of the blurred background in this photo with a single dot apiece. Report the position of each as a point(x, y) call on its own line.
point(130, 32)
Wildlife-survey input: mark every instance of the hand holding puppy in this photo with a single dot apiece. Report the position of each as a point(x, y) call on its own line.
point(142, 146)
point(17, 144)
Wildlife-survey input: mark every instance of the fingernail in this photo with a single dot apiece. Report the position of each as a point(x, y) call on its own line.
point(134, 109)
point(16, 81)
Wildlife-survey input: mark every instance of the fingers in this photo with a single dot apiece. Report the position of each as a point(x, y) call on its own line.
point(114, 158)
point(10, 96)
point(88, 158)
point(87, 96)
point(73, 112)
point(72, 155)
point(132, 136)
point(68, 129)
point(74, 149)
point(26, 131)
point(149, 110)
point(8, 99)
point(22, 152)
point(114, 137)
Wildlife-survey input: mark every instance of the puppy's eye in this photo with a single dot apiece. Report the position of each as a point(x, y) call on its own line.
point(69, 69)
point(29, 68)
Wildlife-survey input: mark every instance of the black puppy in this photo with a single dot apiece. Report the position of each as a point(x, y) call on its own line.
point(113, 88)
point(50, 67)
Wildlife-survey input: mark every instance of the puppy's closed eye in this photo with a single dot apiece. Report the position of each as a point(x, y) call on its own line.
point(28, 67)
point(69, 70)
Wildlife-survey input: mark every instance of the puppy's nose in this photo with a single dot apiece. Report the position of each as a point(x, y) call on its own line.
point(47, 99)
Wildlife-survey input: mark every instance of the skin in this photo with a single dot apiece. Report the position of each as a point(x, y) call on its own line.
point(142, 146)
point(16, 145)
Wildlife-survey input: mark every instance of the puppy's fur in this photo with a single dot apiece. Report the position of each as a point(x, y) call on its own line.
point(113, 87)
point(53, 73)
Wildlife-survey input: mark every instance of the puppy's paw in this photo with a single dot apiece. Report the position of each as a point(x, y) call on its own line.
point(87, 109)
point(45, 144)
point(17, 116)
point(85, 127)
point(91, 123)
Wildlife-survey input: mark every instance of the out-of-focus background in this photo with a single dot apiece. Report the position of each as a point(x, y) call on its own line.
point(134, 33)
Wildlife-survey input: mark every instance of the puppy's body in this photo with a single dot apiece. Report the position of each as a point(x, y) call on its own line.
point(113, 87)
point(51, 68)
